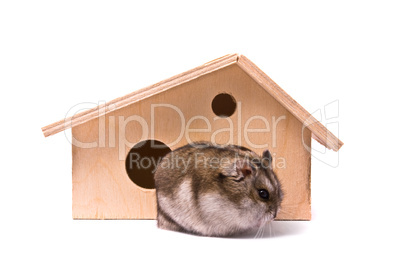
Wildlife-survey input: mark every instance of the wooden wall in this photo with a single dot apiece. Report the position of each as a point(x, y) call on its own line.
point(101, 187)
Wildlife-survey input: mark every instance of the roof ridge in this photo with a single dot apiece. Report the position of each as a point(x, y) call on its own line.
point(319, 131)
point(140, 94)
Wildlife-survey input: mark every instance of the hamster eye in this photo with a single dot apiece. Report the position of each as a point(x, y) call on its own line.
point(263, 194)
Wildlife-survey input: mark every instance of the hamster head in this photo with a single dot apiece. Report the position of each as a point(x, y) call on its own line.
point(252, 184)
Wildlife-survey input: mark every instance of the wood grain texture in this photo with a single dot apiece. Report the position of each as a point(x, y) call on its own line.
point(319, 132)
point(139, 95)
point(101, 187)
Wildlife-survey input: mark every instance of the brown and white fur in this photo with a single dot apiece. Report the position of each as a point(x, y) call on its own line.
point(213, 190)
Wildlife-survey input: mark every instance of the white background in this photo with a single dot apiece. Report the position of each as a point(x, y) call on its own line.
point(56, 54)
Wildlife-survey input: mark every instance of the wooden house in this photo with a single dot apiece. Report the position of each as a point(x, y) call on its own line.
point(116, 145)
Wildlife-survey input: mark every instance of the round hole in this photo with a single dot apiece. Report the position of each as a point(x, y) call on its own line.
point(224, 105)
point(142, 160)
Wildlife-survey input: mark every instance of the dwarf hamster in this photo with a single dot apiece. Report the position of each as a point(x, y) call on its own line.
point(214, 190)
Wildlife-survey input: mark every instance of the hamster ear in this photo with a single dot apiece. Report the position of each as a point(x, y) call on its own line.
point(244, 169)
point(237, 170)
point(267, 159)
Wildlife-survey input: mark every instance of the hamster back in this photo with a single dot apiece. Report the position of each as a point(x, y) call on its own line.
point(216, 190)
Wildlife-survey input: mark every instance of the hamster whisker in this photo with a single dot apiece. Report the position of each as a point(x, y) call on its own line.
point(263, 230)
point(270, 229)
point(288, 211)
point(260, 231)
point(282, 206)
point(256, 235)
point(284, 211)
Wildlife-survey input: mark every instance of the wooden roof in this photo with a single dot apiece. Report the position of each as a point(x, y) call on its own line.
point(319, 132)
